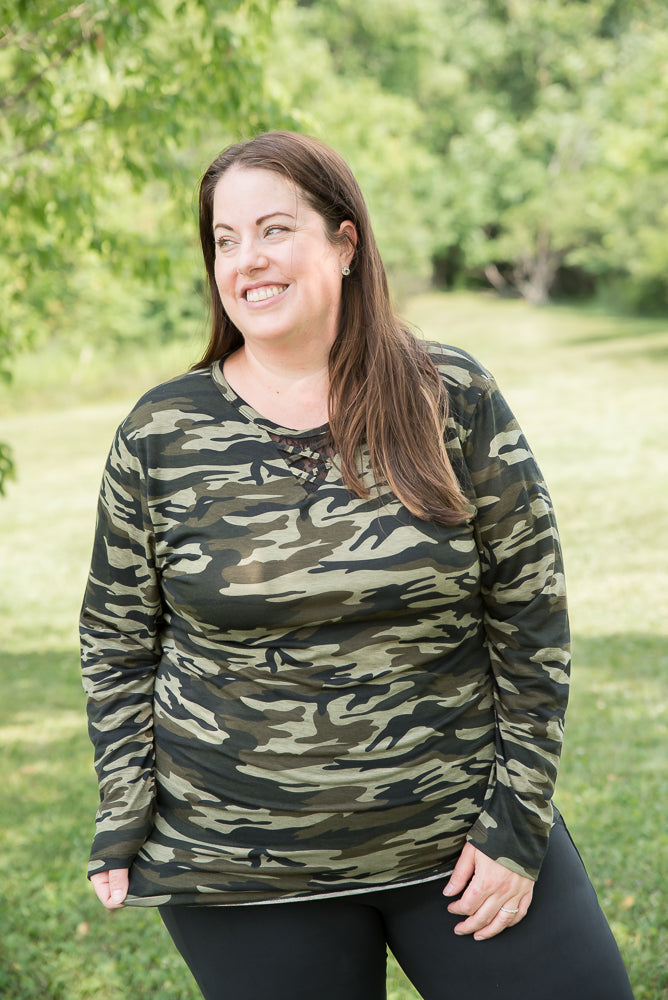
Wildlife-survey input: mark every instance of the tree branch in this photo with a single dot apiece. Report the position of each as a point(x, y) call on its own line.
point(495, 278)
point(13, 99)
point(22, 41)
point(46, 143)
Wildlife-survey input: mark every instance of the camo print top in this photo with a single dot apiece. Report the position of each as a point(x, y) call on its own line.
point(294, 691)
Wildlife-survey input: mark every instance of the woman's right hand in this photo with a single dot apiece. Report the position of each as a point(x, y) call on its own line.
point(111, 887)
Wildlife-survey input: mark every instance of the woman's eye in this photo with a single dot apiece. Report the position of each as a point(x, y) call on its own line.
point(224, 242)
point(274, 230)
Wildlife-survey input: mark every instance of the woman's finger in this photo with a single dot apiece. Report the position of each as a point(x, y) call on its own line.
point(508, 915)
point(111, 887)
point(492, 917)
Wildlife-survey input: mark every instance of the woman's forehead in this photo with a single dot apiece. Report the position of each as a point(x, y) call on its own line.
point(244, 187)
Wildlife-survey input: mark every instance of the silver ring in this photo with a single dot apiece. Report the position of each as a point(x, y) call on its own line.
point(506, 910)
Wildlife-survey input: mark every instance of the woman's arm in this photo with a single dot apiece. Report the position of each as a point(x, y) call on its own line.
point(527, 637)
point(120, 649)
point(527, 634)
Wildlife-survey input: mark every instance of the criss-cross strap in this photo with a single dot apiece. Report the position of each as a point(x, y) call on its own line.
point(307, 456)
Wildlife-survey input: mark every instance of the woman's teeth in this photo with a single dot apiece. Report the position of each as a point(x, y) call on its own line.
point(268, 292)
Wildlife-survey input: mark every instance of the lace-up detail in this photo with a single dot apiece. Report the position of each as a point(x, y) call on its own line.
point(307, 456)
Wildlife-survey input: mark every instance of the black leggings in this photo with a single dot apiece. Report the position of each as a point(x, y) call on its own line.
point(335, 949)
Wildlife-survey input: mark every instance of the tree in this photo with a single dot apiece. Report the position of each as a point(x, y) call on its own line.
point(379, 131)
point(101, 99)
point(522, 108)
point(540, 160)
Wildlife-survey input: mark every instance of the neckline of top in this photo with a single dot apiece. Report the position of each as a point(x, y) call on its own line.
point(252, 414)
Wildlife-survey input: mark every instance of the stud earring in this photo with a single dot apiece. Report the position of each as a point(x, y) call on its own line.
point(345, 271)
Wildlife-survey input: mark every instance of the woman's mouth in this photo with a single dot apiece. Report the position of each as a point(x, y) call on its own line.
point(266, 292)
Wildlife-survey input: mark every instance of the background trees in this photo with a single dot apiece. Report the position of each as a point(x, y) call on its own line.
point(109, 109)
point(541, 131)
point(521, 144)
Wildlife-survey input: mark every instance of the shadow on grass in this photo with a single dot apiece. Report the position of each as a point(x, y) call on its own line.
point(40, 682)
point(615, 751)
point(636, 655)
point(642, 337)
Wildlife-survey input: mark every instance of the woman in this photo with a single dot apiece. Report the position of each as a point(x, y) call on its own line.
point(324, 636)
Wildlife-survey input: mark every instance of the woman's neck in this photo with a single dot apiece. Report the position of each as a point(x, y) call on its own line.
point(290, 391)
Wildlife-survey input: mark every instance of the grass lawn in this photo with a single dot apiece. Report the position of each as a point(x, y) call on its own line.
point(590, 392)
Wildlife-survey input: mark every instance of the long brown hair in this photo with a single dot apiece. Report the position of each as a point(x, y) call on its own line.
point(384, 388)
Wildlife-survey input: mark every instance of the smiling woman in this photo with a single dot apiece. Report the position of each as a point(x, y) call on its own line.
point(325, 639)
point(368, 391)
point(279, 276)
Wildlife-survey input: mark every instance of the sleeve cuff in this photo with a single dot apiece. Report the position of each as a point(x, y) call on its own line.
point(513, 833)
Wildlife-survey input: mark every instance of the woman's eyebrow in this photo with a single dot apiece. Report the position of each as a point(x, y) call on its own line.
point(258, 222)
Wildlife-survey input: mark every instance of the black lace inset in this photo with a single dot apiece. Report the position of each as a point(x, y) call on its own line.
point(307, 456)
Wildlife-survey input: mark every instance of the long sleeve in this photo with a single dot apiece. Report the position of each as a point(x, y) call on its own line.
point(120, 650)
point(527, 634)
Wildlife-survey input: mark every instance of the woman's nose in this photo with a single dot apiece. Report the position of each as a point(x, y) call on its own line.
point(250, 257)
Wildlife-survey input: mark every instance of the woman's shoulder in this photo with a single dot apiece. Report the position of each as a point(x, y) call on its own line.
point(190, 396)
point(460, 371)
point(185, 384)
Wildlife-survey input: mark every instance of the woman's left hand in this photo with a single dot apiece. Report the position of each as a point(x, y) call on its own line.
point(493, 897)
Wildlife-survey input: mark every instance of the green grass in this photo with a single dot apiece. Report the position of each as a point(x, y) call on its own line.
point(589, 390)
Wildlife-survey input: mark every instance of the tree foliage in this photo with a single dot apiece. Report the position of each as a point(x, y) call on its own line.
point(108, 109)
point(518, 142)
point(375, 129)
point(543, 130)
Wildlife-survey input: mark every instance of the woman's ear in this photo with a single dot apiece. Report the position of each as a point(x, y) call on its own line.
point(348, 239)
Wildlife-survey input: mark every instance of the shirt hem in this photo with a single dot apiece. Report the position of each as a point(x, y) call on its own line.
point(170, 900)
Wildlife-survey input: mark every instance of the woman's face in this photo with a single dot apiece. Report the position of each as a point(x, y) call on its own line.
point(278, 275)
